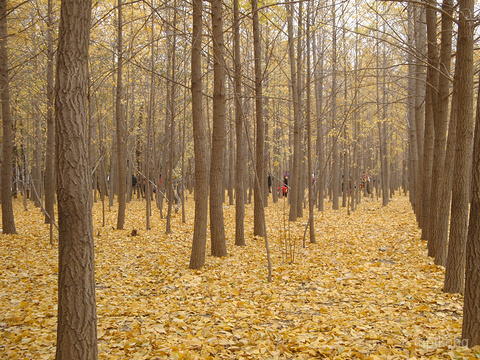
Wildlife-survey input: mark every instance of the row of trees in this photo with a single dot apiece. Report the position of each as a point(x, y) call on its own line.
point(442, 191)
point(317, 72)
point(354, 96)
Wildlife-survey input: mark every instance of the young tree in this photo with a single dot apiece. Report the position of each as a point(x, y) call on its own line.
point(8, 222)
point(259, 194)
point(412, 133)
point(77, 318)
point(120, 122)
point(420, 48)
point(171, 119)
point(293, 181)
point(320, 167)
point(311, 196)
point(148, 142)
point(49, 156)
point(335, 156)
point(241, 157)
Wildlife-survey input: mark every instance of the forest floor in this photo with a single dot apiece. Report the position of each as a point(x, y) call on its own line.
point(365, 290)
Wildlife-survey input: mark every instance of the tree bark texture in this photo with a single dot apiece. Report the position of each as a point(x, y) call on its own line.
point(197, 256)
point(217, 166)
point(77, 319)
point(455, 269)
point(441, 124)
point(430, 108)
point(471, 308)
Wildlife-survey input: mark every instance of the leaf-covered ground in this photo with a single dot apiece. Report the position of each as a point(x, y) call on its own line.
point(366, 290)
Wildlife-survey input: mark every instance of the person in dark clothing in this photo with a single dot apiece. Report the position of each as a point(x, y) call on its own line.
point(286, 176)
point(134, 182)
point(269, 179)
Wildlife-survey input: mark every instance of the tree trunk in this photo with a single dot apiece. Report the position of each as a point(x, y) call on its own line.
point(293, 182)
point(455, 269)
point(8, 222)
point(241, 160)
point(311, 195)
point(441, 123)
point(420, 44)
point(299, 178)
point(258, 197)
point(230, 158)
point(102, 178)
point(430, 108)
point(385, 158)
point(413, 147)
point(197, 256)
point(77, 318)
point(471, 308)
point(50, 151)
point(148, 142)
point(171, 127)
point(217, 190)
point(37, 160)
point(320, 173)
point(334, 129)
point(120, 122)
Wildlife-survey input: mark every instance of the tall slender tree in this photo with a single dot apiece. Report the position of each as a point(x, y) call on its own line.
point(120, 124)
point(50, 152)
point(335, 131)
point(320, 147)
point(217, 166)
point(299, 177)
point(441, 124)
point(259, 194)
point(239, 133)
point(420, 48)
point(430, 108)
point(148, 142)
point(311, 196)
point(293, 181)
point(8, 221)
point(411, 124)
point(197, 256)
point(171, 118)
point(455, 269)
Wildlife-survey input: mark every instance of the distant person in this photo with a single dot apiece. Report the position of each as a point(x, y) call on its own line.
point(269, 179)
point(134, 182)
point(286, 176)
